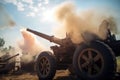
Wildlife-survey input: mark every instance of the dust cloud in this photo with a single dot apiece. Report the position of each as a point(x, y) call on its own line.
point(80, 26)
point(86, 24)
point(29, 45)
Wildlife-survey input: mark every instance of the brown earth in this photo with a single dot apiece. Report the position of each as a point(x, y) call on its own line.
point(60, 75)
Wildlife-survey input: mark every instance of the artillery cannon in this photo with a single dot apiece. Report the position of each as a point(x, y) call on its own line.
point(94, 60)
point(5, 64)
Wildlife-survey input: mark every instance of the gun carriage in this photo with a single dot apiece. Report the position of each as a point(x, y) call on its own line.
point(93, 60)
point(6, 63)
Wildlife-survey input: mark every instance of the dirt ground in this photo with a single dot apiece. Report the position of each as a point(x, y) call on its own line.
point(60, 75)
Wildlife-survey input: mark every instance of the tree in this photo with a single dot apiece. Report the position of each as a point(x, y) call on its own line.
point(2, 42)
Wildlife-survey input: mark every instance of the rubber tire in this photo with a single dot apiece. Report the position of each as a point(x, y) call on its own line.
point(109, 68)
point(52, 62)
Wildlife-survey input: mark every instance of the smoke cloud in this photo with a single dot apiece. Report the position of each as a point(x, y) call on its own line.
point(5, 19)
point(29, 46)
point(86, 23)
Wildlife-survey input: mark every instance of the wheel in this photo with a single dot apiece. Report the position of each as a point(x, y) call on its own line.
point(45, 66)
point(94, 61)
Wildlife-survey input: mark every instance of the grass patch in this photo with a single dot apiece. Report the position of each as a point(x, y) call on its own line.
point(118, 64)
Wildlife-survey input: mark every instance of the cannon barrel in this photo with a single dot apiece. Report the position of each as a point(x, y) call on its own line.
point(50, 38)
point(4, 60)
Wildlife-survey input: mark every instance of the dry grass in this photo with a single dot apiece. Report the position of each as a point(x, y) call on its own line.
point(25, 76)
point(118, 64)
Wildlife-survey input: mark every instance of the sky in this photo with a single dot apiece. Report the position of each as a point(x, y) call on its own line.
point(37, 15)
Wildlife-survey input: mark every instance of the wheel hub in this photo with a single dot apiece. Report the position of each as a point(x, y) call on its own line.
point(90, 62)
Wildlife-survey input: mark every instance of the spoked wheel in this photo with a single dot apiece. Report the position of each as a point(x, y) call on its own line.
point(94, 61)
point(90, 61)
point(45, 66)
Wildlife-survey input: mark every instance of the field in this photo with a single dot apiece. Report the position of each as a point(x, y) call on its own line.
point(60, 75)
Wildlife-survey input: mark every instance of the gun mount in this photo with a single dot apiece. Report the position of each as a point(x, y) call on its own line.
point(93, 60)
point(5, 64)
point(65, 44)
